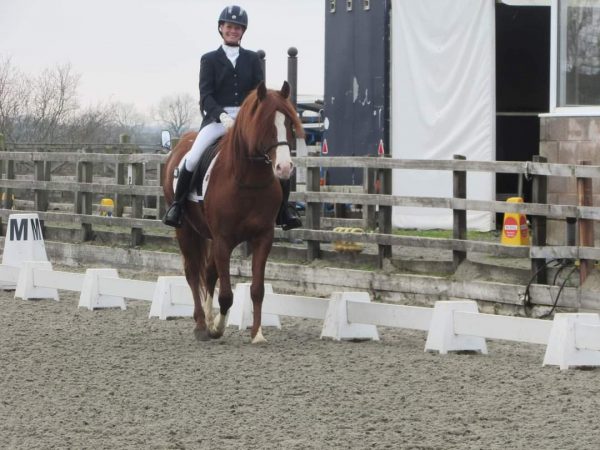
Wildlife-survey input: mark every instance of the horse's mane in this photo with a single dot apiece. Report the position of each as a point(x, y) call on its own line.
point(254, 130)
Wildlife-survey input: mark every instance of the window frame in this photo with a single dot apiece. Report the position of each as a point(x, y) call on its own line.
point(555, 109)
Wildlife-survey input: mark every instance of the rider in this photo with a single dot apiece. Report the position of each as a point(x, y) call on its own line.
point(227, 75)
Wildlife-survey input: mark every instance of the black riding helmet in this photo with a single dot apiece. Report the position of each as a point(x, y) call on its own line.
point(234, 14)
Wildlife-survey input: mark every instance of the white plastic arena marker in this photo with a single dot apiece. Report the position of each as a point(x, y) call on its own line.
point(240, 314)
point(336, 325)
point(23, 242)
point(172, 298)
point(441, 336)
point(91, 298)
point(26, 287)
point(574, 341)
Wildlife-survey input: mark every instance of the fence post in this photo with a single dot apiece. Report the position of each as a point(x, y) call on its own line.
point(586, 226)
point(136, 178)
point(263, 65)
point(369, 216)
point(385, 216)
point(160, 198)
point(120, 178)
point(83, 200)
point(459, 225)
point(313, 210)
point(40, 196)
point(2, 148)
point(7, 201)
point(292, 74)
point(539, 194)
point(119, 198)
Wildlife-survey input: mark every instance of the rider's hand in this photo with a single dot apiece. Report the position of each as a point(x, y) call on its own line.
point(226, 120)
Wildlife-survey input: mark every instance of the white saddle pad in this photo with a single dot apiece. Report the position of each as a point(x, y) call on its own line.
point(193, 195)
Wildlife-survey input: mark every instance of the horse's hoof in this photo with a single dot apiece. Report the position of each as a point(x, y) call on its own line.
point(201, 335)
point(259, 338)
point(215, 334)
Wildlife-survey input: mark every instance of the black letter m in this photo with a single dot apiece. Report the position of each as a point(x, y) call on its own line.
point(18, 229)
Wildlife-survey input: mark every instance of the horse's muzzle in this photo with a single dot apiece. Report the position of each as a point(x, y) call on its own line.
point(284, 169)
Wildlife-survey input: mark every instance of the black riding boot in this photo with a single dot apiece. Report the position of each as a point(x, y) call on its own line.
point(287, 216)
point(174, 214)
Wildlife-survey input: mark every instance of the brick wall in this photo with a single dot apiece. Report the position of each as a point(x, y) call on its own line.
point(568, 140)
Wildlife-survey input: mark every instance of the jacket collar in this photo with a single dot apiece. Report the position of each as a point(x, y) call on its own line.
point(222, 57)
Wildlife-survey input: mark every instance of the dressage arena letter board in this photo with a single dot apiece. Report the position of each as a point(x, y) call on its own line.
point(19, 229)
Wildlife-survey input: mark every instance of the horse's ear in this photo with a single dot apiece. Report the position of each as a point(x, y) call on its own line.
point(261, 91)
point(285, 90)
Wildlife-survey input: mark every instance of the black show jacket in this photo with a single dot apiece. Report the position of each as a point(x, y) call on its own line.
point(222, 85)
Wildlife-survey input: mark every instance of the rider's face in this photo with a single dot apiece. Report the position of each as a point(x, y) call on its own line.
point(232, 33)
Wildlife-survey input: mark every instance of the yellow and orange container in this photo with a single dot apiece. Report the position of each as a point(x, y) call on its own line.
point(515, 230)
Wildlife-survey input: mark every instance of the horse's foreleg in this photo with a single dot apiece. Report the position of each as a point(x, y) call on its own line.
point(211, 281)
point(260, 251)
point(221, 255)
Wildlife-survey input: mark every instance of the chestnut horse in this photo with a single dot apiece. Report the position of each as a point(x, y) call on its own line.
point(240, 205)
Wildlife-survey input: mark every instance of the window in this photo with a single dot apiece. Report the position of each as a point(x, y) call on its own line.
point(575, 80)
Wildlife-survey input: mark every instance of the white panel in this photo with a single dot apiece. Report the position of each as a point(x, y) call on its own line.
point(443, 102)
point(295, 306)
point(182, 294)
point(383, 314)
point(9, 273)
point(519, 329)
point(59, 280)
point(587, 336)
point(122, 287)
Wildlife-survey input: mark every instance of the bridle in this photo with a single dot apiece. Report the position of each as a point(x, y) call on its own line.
point(265, 155)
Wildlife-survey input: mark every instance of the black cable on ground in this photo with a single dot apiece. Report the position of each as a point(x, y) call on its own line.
point(527, 305)
point(549, 313)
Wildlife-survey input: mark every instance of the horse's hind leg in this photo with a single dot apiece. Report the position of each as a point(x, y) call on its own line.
point(192, 268)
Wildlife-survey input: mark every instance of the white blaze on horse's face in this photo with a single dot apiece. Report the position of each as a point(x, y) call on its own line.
point(283, 165)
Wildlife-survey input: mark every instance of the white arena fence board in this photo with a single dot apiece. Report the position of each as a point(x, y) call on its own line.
point(384, 314)
point(295, 306)
point(67, 281)
point(519, 329)
point(123, 287)
point(182, 295)
point(9, 273)
point(570, 339)
point(587, 337)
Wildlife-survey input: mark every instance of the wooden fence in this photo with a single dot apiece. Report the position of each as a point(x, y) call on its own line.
point(80, 177)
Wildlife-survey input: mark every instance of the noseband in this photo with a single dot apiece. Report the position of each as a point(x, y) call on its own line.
point(265, 153)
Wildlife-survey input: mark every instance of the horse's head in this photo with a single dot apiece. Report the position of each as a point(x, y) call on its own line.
point(266, 126)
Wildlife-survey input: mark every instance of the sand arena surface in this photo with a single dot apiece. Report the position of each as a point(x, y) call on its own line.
point(73, 378)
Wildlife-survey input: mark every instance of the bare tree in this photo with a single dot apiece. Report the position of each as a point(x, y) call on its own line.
point(177, 112)
point(45, 108)
point(126, 118)
point(13, 99)
point(54, 99)
point(91, 125)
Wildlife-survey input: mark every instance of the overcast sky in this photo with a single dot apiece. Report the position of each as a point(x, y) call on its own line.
point(137, 51)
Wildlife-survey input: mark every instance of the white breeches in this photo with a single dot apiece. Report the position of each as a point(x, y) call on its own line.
point(207, 135)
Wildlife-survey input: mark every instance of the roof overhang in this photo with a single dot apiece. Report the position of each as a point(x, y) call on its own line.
point(526, 2)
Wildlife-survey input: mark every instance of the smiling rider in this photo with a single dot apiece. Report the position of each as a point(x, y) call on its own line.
point(227, 75)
